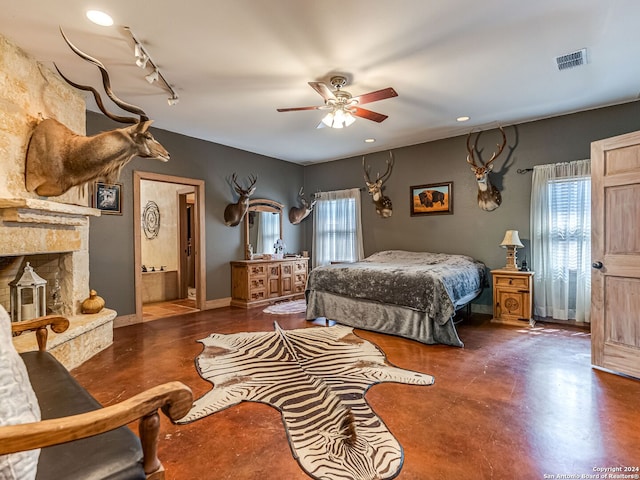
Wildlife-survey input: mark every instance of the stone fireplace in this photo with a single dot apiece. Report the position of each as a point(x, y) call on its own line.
point(53, 237)
point(52, 233)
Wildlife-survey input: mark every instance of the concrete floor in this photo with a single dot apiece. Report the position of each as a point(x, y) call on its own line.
point(512, 404)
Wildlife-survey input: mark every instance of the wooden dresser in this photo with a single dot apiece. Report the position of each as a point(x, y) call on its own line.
point(256, 283)
point(512, 297)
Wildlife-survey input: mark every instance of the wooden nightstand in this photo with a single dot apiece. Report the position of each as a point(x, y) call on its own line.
point(512, 297)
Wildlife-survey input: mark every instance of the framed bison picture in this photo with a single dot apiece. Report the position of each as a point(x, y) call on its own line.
point(432, 199)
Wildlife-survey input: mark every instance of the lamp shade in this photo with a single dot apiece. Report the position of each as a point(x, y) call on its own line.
point(511, 239)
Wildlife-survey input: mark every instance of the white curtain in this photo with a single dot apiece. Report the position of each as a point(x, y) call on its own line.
point(268, 225)
point(561, 240)
point(337, 227)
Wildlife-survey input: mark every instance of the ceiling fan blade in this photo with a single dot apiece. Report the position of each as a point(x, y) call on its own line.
point(296, 109)
point(323, 89)
point(375, 96)
point(368, 114)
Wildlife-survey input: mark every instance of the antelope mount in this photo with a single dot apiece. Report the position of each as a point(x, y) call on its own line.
point(59, 159)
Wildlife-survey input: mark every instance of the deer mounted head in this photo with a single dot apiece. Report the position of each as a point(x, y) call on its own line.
point(297, 214)
point(489, 197)
point(383, 204)
point(235, 212)
point(58, 159)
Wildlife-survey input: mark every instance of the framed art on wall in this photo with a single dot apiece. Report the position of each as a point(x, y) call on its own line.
point(107, 197)
point(432, 199)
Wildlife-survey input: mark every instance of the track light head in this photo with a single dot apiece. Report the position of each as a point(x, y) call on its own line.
point(152, 77)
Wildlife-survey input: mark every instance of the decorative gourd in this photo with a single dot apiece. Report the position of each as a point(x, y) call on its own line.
point(93, 304)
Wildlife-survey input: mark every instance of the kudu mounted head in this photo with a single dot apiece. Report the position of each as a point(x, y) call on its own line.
point(384, 208)
point(297, 214)
point(489, 197)
point(59, 159)
point(235, 212)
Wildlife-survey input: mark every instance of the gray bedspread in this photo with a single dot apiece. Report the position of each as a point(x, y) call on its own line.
point(431, 284)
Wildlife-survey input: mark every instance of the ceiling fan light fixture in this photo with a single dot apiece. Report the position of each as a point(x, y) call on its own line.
point(338, 118)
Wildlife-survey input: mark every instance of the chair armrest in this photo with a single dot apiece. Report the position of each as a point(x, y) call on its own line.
point(174, 398)
point(58, 324)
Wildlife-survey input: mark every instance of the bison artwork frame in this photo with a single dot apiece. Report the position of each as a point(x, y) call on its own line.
point(431, 199)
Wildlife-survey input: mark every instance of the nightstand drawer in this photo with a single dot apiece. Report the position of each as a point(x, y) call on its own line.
point(517, 282)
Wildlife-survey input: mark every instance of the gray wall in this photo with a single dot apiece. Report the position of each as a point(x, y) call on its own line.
point(468, 230)
point(111, 245)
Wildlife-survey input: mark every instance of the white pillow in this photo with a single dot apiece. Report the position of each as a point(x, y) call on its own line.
point(18, 404)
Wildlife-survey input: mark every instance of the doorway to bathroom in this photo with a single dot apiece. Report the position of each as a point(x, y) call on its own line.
point(169, 260)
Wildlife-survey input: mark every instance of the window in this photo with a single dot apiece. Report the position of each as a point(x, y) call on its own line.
point(561, 240)
point(337, 230)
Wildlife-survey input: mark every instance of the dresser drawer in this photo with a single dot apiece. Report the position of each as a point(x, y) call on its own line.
point(257, 270)
point(256, 295)
point(257, 283)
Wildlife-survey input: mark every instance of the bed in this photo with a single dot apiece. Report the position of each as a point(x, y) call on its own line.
point(410, 294)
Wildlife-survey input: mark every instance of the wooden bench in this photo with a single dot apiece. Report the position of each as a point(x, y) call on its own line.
point(79, 438)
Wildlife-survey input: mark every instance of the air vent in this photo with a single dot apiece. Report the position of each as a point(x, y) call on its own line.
point(571, 60)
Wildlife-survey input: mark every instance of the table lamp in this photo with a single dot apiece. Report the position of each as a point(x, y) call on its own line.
point(511, 242)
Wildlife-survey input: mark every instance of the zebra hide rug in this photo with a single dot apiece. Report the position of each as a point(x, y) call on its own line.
point(317, 379)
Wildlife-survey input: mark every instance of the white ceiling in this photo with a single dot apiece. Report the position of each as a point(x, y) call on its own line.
point(233, 63)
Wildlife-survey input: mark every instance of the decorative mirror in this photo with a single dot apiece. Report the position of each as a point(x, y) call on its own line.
point(262, 226)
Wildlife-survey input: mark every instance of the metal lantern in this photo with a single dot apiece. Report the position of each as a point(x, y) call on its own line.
point(28, 296)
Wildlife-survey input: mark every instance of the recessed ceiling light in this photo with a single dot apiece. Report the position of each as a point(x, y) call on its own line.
point(462, 119)
point(100, 18)
point(369, 140)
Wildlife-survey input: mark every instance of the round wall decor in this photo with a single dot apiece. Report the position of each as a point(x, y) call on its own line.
point(151, 220)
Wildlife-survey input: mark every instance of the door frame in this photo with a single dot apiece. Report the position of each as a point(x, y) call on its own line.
point(182, 199)
point(199, 235)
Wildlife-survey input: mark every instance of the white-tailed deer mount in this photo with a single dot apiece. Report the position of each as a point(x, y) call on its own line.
point(297, 214)
point(384, 208)
point(235, 212)
point(59, 159)
point(489, 197)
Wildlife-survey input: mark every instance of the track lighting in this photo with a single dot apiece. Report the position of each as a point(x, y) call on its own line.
point(144, 61)
point(152, 77)
point(141, 56)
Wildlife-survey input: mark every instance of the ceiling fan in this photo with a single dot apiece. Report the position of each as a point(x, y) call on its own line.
point(342, 107)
